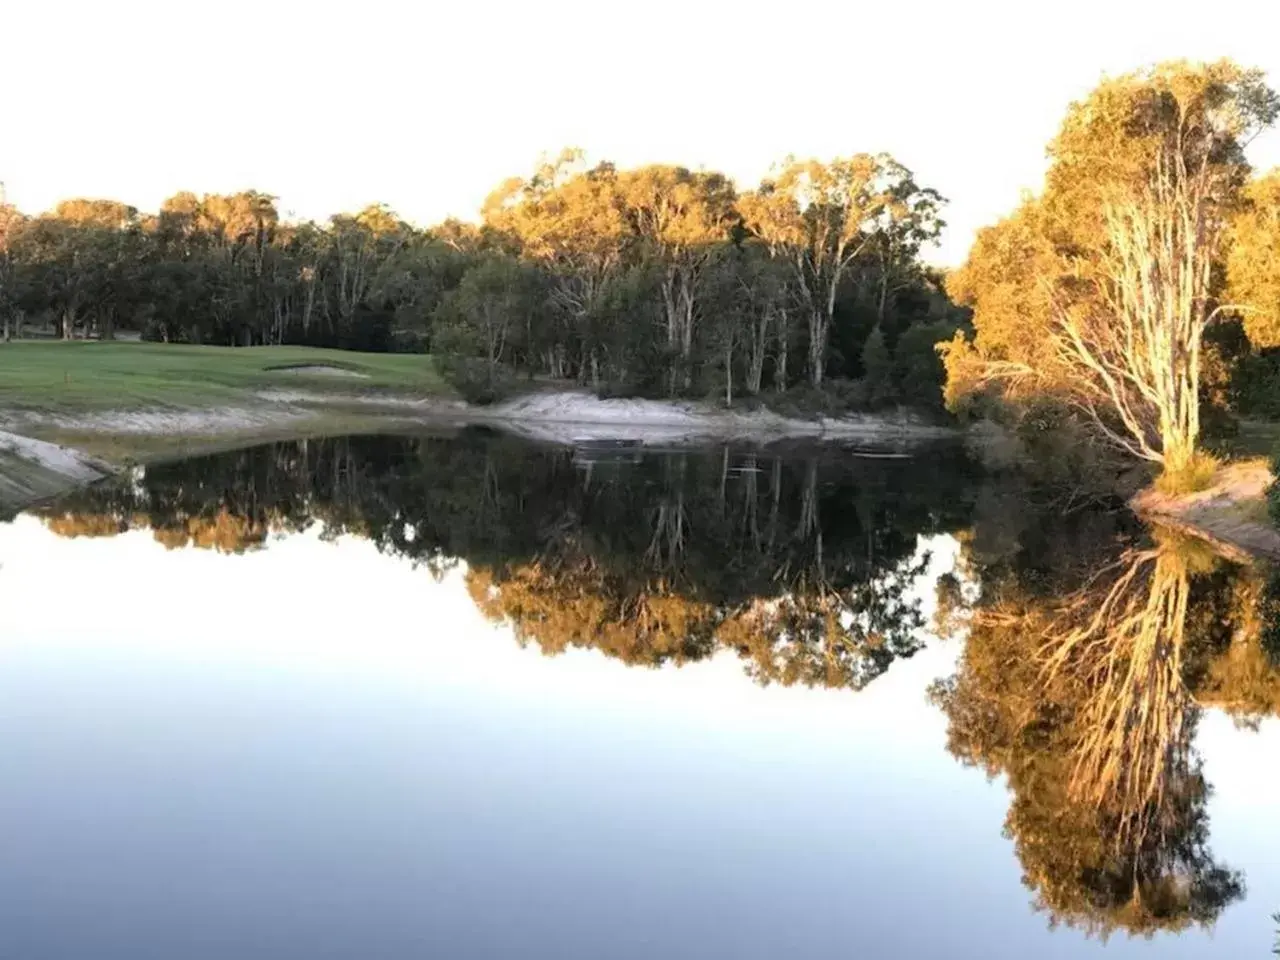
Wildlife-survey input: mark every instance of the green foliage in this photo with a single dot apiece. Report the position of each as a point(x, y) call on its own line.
point(1255, 385)
point(917, 367)
point(1273, 491)
point(486, 311)
point(478, 381)
point(877, 369)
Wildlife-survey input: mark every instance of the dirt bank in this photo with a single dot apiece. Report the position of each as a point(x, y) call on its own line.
point(1231, 513)
point(31, 470)
point(576, 417)
point(573, 417)
point(566, 417)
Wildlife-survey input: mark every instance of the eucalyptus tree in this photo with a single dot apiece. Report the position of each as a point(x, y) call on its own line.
point(682, 221)
point(824, 217)
point(1118, 263)
point(572, 223)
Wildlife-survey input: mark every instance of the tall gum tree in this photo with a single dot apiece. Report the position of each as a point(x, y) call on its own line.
point(574, 225)
point(682, 220)
point(1127, 240)
point(826, 216)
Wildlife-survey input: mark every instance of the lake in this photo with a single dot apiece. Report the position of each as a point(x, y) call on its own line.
point(467, 696)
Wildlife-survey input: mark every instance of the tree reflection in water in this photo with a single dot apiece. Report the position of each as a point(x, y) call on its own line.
point(1090, 646)
point(1087, 700)
point(802, 562)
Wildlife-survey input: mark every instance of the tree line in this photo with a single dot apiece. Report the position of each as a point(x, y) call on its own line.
point(661, 280)
point(219, 269)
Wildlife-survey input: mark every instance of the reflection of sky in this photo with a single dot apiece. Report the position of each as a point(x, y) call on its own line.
point(316, 751)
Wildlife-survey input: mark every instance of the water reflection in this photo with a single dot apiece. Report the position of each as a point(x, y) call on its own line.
point(1086, 698)
point(1091, 647)
point(801, 564)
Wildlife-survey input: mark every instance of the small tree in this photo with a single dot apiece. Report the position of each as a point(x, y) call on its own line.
point(917, 368)
point(483, 312)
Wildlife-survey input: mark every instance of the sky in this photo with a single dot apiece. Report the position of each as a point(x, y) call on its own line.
point(428, 106)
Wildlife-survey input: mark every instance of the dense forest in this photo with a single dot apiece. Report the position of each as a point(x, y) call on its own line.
point(659, 279)
point(1093, 645)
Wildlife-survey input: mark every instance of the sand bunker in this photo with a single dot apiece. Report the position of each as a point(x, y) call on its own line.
point(320, 370)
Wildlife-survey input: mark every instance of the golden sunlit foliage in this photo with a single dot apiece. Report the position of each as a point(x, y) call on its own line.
point(1253, 268)
point(1098, 292)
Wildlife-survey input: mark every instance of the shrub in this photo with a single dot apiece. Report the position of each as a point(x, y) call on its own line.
point(834, 398)
point(918, 367)
point(476, 381)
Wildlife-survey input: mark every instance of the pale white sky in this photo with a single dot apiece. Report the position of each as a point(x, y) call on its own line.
point(428, 106)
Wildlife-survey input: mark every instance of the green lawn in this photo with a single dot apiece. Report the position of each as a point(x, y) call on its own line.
point(1256, 438)
point(52, 376)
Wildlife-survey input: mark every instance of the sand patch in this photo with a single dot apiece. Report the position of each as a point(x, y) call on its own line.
point(48, 456)
point(319, 370)
point(577, 417)
point(172, 422)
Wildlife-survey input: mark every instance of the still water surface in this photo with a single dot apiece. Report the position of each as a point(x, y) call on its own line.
point(469, 697)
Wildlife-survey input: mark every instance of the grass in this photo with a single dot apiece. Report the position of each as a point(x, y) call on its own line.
point(85, 376)
point(1197, 475)
point(1254, 438)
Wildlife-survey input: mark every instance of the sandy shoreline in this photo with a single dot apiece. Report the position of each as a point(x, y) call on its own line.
point(32, 469)
point(555, 417)
point(1230, 514)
